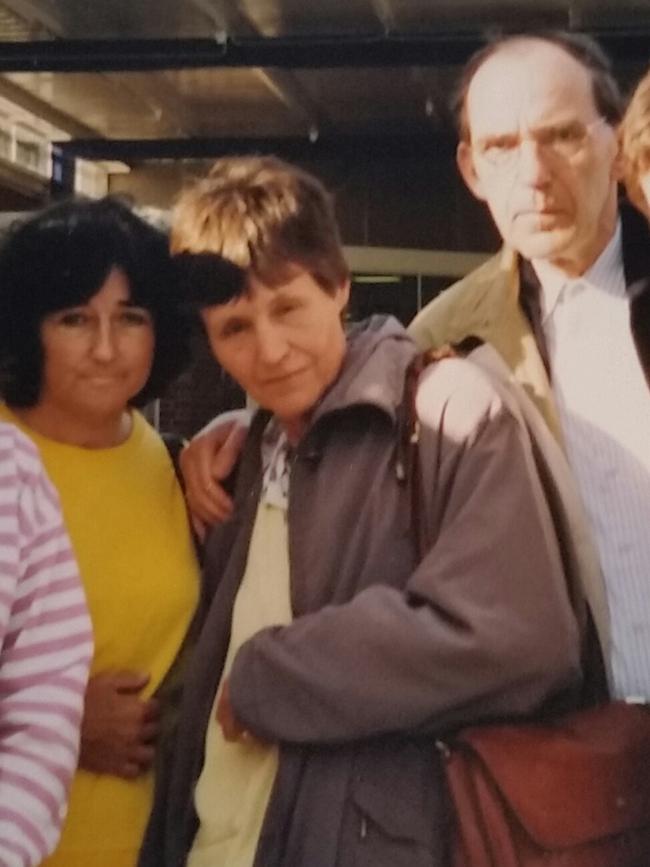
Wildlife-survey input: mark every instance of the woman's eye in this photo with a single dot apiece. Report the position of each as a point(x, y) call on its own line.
point(233, 328)
point(135, 317)
point(72, 319)
point(286, 308)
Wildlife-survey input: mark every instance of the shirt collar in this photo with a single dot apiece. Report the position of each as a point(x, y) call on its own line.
point(276, 465)
point(605, 274)
point(609, 263)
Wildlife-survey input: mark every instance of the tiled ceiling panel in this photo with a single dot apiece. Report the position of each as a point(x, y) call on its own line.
point(14, 28)
point(366, 99)
point(295, 17)
point(237, 102)
point(463, 15)
point(104, 103)
point(115, 19)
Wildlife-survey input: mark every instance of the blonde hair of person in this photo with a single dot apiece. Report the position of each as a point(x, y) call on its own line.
point(634, 136)
point(264, 216)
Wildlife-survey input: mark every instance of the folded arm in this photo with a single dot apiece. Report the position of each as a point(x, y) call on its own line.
point(482, 629)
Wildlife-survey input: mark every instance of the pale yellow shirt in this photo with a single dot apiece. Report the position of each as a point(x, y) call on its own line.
point(235, 785)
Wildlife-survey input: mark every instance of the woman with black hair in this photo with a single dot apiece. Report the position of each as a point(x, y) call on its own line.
point(89, 330)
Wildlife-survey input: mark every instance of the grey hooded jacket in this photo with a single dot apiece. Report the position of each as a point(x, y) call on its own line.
point(384, 653)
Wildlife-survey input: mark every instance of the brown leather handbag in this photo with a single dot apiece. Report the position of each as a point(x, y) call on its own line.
point(570, 791)
point(574, 792)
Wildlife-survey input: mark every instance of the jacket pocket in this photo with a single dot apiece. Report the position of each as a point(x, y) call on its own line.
point(390, 832)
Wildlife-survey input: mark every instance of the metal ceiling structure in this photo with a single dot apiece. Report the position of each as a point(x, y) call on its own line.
point(170, 79)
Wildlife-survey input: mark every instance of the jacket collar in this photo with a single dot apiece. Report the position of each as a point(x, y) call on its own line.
point(636, 265)
point(635, 250)
point(495, 290)
point(378, 351)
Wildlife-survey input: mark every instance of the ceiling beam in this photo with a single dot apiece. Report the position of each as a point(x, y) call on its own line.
point(304, 52)
point(289, 147)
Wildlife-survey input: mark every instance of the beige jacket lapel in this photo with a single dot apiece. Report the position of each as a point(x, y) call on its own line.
point(485, 304)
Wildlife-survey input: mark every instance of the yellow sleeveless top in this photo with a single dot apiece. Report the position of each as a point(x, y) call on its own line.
point(127, 520)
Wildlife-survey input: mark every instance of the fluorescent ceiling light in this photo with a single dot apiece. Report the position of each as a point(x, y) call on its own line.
point(377, 278)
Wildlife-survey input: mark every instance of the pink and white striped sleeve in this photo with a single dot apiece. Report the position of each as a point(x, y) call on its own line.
point(46, 649)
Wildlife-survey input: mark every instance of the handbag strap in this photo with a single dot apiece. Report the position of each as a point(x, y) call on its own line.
point(410, 426)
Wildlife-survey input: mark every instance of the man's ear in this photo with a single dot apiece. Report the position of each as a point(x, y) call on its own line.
point(617, 163)
point(465, 162)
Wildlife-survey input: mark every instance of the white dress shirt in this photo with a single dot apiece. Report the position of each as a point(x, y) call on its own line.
point(604, 406)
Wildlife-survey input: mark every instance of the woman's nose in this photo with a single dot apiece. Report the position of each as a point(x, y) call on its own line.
point(271, 344)
point(103, 343)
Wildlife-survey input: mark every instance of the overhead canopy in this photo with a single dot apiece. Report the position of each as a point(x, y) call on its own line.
point(145, 79)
